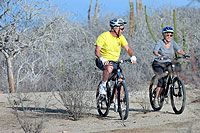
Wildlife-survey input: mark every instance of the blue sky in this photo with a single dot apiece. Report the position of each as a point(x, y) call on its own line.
point(79, 7)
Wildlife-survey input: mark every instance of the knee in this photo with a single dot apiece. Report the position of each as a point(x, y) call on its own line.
point(109, 68)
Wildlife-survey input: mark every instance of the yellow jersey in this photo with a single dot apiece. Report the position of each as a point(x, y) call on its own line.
point(110, 45)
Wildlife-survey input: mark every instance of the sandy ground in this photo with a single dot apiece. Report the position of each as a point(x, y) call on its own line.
point(163, 121)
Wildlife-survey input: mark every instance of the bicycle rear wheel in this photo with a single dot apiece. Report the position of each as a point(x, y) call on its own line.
point(103, 102)
point(123, 101)
point(178, 95)
point(152, 94)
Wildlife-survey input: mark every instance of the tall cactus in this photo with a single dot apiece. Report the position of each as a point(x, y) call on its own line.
point(185, 46)
point(62, 66)
point(162, 26)
point(175, 26)
point(89, 12)
point(138, 7)
point(96, 12)
point(131, 21)
point(148, 25)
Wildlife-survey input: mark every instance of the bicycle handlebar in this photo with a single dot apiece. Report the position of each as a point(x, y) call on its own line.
point(176, 58)
point(123, 61)
point(184, 57)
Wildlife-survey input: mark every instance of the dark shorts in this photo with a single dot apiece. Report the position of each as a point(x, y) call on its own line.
point(160, 68)
point(101, 66)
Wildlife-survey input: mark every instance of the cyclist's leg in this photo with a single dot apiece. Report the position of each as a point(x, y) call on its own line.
point(159, 87)
point(107, 71)
point(102, 86)
point(108, 68)
point(158, 69)
point(103, 101)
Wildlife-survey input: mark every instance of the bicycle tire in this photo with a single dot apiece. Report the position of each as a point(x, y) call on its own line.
point(123, 101)
point(152, 91)
point(177, 93)
point(105, 101)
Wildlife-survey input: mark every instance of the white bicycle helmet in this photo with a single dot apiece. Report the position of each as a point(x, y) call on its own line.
point(117, 22)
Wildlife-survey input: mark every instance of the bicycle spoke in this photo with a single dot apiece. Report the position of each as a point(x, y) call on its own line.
point(152, 94)
point(123, 102)
point(103, 104)
point(178, 96)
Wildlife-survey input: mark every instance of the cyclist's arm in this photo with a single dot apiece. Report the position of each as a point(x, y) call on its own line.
point(156, 49)
point(178, 49)
point(130, 53)
point(98, 55)
point(156, 53)
point(97, 51)
point(129, 50)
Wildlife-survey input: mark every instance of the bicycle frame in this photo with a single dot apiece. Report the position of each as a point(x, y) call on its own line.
point(171, 74)
point(118, 77)
point(167, 83)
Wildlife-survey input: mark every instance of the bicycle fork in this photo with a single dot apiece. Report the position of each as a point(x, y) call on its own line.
point(116, 97)
point(117, 90)
point(179, 94)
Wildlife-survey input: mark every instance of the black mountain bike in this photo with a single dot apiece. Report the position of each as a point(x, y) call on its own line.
point(116, 90)
point(173, 85)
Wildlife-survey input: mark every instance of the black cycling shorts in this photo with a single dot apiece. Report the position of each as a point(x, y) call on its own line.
point(100, 64)
point(159, 67)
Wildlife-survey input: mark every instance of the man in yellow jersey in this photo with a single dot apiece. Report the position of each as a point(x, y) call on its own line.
point(108, 48)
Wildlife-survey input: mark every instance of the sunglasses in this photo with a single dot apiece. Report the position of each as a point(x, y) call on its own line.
point(169, 35)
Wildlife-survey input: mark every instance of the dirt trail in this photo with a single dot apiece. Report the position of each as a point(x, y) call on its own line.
point(138, 121)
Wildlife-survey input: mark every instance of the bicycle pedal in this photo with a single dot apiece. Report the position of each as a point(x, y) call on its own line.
point(167, 100)
point(179, 94)
point(176, 95)
point(121, 100)
point(102, 96)
point(100, 100)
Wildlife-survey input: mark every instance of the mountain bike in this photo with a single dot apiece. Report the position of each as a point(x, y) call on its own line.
point(173, 85)
point(116, 90)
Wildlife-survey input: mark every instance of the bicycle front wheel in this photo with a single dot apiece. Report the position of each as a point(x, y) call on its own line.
point(103, 103)
point(177, 95)
point(123, 101)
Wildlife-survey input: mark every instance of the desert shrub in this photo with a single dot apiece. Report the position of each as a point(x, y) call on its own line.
point(30, 110)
